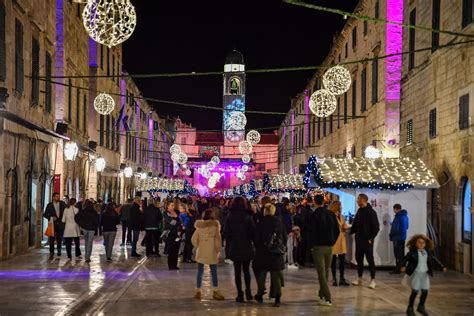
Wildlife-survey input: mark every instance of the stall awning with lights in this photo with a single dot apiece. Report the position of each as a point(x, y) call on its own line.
point(382, 173)
point(283, 183)
point(164, 185)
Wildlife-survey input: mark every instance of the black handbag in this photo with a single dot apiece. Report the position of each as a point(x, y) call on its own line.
point(275, 245)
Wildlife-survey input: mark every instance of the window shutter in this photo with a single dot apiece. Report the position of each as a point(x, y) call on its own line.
point(19, 70)
point(49, 85)
point(35, 65)
point(411, 41)
point(435, 24)
point(467, 12)
point(432, 124)
point(464, 111)
point(363, 91)
point(354, 98)
point(375, 81)
point(410, 132)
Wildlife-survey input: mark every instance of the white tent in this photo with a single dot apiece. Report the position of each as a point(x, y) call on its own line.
point(386, 182)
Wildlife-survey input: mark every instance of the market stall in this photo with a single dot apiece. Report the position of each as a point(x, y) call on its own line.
point(386, 182)
point(164, 187)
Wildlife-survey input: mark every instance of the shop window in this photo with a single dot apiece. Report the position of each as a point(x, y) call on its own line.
point(466, 213)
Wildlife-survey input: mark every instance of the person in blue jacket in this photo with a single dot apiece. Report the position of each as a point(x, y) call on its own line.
point(398, 235)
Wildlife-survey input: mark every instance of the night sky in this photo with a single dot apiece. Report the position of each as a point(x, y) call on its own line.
point(187, 36)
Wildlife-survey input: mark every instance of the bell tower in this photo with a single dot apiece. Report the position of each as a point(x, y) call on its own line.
point(234, 93)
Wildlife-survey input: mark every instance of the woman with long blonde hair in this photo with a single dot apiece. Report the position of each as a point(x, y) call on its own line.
point(339, 249)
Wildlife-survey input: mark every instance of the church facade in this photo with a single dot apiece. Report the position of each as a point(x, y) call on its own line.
point(201, 146)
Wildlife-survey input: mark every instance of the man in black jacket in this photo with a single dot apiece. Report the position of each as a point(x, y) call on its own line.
point(54, 211)
point(305, 216)
point(323, 231)
point(153, 219)
point(135, 224)
point(365, 227)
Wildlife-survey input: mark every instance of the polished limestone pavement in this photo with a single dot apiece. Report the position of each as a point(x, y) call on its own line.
point(31, 284)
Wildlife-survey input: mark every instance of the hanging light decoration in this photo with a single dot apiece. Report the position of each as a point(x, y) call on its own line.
point(143, 175)
point(70, 151)
point(182, 158)
point(372, 152)
point(337, 80)
point(175, 148)
point(216, 160)
point(210, 165)
point(245, 168)
point(245, 158)
point(100, 164)
point(237, 120)
point(104, 104)
point(128, 172)
point(253, 137)
point(109, 22)
point(245, 147)
point(322, 103)
point(175, 156)
point(188, 172)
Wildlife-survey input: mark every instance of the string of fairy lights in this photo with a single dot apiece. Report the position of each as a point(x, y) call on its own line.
point(112, 22)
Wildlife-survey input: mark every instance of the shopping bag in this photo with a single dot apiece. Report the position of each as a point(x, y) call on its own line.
point(50, 230)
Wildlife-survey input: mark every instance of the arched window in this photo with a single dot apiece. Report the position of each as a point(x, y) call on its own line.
point(466, 212)
point(234, 86)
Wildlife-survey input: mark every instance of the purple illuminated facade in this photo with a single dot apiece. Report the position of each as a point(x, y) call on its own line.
point(306, 118)
point(394, 37)
point(60, 114)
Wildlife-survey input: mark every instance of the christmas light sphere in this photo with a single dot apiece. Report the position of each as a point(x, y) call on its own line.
point(188, 172)
point(210, 165)
point(104, 104)
point(109, 22)
point(372, 152)
point(253, 137)
point(70, 151)
point(216, 175)
point(100, 164)
point(337, 80)
point(175, 157)
point(143, 175)
point(245, 158)
point(237, 120)
point(322, 103)
point(245, 147)
point(175, 148)
point(216, 160)
point(128, 172)
point(182, 158)
point(245, 168)
point(242, 177)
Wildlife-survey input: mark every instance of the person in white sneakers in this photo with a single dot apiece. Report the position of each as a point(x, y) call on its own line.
point(365, 227)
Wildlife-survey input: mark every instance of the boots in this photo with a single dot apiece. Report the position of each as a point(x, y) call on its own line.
point(259, 298)
point(198, 295)
point(248, 295)
point(240, 297)
point(217, 295)
point(277, 301)
point(421, 309)
point(410, 311)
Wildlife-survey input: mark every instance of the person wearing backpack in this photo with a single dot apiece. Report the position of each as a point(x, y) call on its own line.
point(322, 235)
point(71, 229)
point(271, 239)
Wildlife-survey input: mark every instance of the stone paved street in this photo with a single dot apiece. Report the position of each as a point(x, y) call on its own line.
point(33, 285)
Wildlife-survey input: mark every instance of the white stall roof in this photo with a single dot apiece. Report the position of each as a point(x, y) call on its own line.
point(383, 171)
point(283, 182)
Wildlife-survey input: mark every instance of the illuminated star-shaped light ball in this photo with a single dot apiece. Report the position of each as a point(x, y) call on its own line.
point(210, 165)
point(104, 104)
point(337, 80)
point(216, 160)
point(245, 168)
point(175, 148)
point(175, 156)
point(182, 158)
point(237, 120)
point(322, 103)
point(109, 22)
point(245, 158)
point(128, 172)
point(253, 137)
point(188, 172)
point(245, 147)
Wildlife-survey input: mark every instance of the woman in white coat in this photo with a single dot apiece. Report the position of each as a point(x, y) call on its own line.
point(71, 229)
point(207, 241)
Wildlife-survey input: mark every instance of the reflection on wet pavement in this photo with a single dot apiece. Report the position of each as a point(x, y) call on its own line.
point(31, 284)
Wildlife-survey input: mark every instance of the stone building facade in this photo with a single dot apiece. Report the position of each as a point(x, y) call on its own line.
point(27, 107)
point(368, 114)
point(38, 117)
point(436, 118)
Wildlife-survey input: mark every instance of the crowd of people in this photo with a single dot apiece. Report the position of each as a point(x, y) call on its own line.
point(258, 236)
